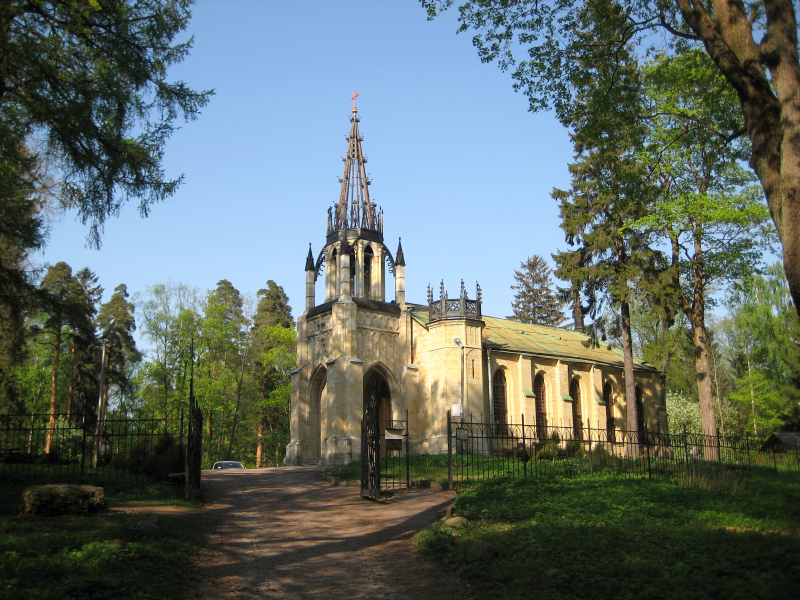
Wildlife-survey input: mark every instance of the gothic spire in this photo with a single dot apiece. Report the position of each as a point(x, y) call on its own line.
point(354, 209)
point(310, 260)
point(399, 258)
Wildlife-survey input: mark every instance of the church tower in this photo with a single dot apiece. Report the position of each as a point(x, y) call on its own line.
point(353, 342)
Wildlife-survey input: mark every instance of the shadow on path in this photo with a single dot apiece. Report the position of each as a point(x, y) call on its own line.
point(285, 533)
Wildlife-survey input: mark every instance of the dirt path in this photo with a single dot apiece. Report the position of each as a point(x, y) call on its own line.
point(284, 533)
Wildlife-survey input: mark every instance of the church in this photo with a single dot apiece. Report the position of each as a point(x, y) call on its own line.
point(426, 359)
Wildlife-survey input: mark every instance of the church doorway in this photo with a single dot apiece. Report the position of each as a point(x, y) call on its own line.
point(375, 385)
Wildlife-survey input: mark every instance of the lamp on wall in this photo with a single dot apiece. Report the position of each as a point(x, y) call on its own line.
point(460, 345)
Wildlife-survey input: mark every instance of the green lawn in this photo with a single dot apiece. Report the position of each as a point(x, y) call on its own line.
point(621, 538)
point(65, 557)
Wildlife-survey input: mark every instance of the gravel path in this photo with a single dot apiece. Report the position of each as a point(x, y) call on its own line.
point(285, 533)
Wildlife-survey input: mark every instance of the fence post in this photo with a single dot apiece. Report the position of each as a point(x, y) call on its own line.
point(686, 444)
point(747, 448)
point(524, 451)
point(408, 452)
point(774, 459)
point(647, 449)
point(591, 465)
point(182, 459)
point(83, 442)
point(449, 455)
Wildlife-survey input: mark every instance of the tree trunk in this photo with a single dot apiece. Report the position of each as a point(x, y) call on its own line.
point(630, 381)
point(71, 380)
point(260, 445)
point(770, 107)
point(53, 393)
point(705, 391)
point(577, 311)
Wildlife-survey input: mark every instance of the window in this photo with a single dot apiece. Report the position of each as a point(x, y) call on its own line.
point(541, 410)
point(368, 256)
point(640, 422)
point(577, 418)
point(499, 403)
point(608, 398)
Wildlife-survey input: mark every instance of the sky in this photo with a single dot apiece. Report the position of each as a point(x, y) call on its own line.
point(462, 170)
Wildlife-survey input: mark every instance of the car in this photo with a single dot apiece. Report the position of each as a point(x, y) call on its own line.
point(228, 464)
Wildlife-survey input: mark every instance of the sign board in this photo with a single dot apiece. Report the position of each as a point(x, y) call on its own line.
point(462, 433)
point(455, 410)
point(394, 444)
point(394, 434)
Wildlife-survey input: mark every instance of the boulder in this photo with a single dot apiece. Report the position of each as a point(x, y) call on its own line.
point(62, 499)
point(456, 522)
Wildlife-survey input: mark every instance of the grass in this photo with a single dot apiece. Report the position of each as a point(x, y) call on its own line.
point(68, 557)
point(432, 467)
point(616, 538)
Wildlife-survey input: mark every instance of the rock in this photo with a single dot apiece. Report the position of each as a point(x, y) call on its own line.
point(117, 544)
point(481, 549)
point(456, 522)
point(553, 575)
point(62, 499)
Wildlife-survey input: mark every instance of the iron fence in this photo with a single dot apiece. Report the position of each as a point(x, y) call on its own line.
point(43, 446)
point(478, 450)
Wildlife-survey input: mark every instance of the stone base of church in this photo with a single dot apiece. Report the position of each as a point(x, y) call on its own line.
point(342, 450)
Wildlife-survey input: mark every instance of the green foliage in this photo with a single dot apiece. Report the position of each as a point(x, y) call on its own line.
point(535, 300)
point(69, 556)
point(620, 538)
point(88, 79)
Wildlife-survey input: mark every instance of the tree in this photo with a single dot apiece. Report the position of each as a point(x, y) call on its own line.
point(764, 74)
point(83, 347)
point(535, 300)
point(169, 321)
point(84, 87)
point(275, 347)
point(64, 298)
point(763, 349)
point(608, 187)
point(705, 211)
point(121, 351)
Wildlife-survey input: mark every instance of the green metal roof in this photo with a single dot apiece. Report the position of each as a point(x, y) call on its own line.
point(503, 335)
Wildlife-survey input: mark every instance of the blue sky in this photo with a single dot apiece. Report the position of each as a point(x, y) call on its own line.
point(462, 170)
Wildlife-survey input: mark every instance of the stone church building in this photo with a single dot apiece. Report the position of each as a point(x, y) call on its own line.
point(416, 356)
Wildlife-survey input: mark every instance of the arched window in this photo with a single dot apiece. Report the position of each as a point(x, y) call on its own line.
point(499, 402)
point(640, 422)
point(353, 272)
point(577, 417)
point(368, 256)
point(608, 398)
point(541, 409)
point(332, 276)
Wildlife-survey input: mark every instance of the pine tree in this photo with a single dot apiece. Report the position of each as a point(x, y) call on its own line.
point(275, 345)
point(536, 301)
point(121, 351)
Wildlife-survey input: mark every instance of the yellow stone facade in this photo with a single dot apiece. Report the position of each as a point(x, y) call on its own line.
point(356, 343)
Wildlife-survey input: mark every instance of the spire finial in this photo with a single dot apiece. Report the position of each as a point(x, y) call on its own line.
point(353, 98)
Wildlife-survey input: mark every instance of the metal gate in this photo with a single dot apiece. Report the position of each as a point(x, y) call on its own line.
point(384, 451)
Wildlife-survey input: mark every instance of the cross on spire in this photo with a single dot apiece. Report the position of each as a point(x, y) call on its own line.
point(353, 98)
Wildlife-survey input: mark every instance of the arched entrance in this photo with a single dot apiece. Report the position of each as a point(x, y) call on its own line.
point(375, 384)
point(317, 413)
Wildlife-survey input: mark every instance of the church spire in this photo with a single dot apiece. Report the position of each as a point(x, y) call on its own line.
point(354, 209)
